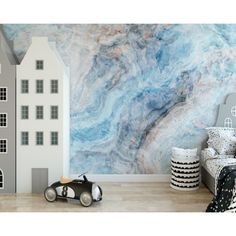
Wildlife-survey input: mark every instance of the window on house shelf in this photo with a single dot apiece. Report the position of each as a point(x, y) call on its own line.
point(24, 112)
point(39, 112)
point(54, 112)
point(1, 179)
point(233, 111)
point(24, 86)
point(3, 120)
point(54, 138)
point(54, 86)
point(24, 138)
point(3, 145)
point(228, 123)
point(3, 94)
point(39, 64)
point(39, 138)
point(39, 86)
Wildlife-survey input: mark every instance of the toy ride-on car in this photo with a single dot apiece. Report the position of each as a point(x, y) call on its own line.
point(81, 189)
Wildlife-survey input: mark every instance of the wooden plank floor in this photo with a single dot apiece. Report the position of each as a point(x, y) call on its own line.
point(118, 197)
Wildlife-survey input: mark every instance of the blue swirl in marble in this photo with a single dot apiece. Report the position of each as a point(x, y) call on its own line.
point(138, 90)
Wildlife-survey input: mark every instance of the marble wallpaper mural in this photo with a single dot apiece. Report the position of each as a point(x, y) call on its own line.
point(139, 90)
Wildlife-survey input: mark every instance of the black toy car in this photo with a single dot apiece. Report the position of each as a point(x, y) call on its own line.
point(83, 190)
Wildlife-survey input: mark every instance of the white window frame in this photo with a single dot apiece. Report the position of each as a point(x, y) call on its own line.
point(228, 122)
point(4, 113)
point(36, 64)
point(36, 138)
point(0, 68)
point(6, 146)
point(51, 109)
point(21, 86)
point(51, 86)
point(233, 110)
point(21, 143)
point(36, 112)
point(36, 86)
point(22, 113)
point(57, 138)
point(6, 94)
point(2, 179)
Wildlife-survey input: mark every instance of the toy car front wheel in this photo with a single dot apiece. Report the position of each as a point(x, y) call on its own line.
point(50, 194)
point(86, 199)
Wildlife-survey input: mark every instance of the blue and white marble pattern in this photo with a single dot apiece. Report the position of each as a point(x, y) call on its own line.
point(139, 90)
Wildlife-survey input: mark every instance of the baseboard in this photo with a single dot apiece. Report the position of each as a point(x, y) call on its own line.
point(127, 178)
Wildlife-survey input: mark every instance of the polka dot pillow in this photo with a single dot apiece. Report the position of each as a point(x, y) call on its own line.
point(223, 140)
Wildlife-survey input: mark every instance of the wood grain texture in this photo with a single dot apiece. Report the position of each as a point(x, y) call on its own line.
point(118, 197)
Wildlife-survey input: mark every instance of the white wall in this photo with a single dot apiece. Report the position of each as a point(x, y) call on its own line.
point(45, 156)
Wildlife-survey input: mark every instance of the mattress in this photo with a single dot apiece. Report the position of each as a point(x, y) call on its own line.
point(212, 164)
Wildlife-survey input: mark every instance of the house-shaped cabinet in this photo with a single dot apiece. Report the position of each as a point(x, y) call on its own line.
point(7, 118)
point(227, 112)
point(42, 90)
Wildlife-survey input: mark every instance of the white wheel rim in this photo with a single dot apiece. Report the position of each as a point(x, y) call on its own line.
point(50, 194)
point(85, 199)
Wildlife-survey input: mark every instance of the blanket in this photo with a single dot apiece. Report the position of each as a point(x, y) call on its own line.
point(225, 199)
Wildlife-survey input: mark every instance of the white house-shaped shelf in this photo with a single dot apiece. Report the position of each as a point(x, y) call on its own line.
point(42, 117)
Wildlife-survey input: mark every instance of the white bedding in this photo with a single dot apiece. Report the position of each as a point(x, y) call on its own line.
point(215, 163)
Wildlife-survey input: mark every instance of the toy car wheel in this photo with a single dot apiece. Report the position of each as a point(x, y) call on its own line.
point(50, 194)
point(86, 199)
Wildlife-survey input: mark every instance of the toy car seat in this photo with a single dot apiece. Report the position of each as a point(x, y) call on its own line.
point(65, 180)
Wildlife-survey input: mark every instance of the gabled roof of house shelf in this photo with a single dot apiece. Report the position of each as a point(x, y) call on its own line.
point(4, 44)
point(52, 46)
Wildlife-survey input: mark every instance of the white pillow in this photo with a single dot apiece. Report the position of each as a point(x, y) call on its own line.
point(214, 132)
point(181, 151)
point(223, 140)
point(210, 152)
point(224, 145)
point(184, 154)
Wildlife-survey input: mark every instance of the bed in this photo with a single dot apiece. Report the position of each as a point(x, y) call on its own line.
point(211, 166)
point(218, 160)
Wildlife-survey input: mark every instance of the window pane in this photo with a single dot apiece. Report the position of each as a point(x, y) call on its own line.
point(39, 86)
point(54, 112)
point(228, 123)
point(39, 112)
point(39, 65)
point(3, 119)
point(24, 86)
point(39, 138)
point(24, 138)
point(24, 112)
point(3, 145)
point(54, 86)
point(54, 138)
point(3, 94)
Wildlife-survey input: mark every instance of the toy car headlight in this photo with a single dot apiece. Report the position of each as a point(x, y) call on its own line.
point(96, 193)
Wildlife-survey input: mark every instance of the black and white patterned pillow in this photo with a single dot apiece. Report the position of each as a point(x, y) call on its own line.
point(214, 132)
point(222, 139)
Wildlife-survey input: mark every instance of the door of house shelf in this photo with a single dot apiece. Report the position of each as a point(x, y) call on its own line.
point(39, 180)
